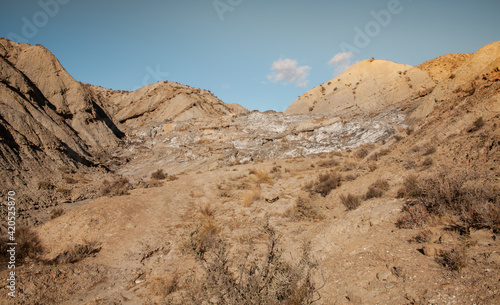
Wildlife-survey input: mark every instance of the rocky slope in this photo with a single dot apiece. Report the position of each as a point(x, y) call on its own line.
point(53, 126)
point(227, 177)
point(162, 102)
point(366, 87)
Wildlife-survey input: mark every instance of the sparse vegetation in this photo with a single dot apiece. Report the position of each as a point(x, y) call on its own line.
point(329, 163)
point(455, 259)
point(414, 216)
point(118, 187)
point(350, 201)
point(325, 184)
point(304, 209)
point(260, 175)
point(78, 252)
point(466, 195)
point(65, 192)
point(45, 185)
point(423, 236)
point(377, 189)
point(268, 281)
point(56, 213)
point(427, 162)
point(478, 124)
point(250, 197)
point(158, 175)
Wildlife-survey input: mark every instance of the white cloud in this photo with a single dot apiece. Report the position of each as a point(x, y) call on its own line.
point(341, 61)
point(287, 71)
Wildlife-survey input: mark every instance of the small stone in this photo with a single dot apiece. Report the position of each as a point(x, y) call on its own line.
point(390, 285)
point(494, 258)
point(446, 238)
point(433, 250)
point(384, 275)
point(354, 299)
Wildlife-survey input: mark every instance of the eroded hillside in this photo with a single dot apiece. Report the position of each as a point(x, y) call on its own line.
point(397, 203)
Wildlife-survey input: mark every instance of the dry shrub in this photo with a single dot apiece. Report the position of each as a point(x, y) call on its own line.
point(427, 162)
point(28, 243)
point(250, 197)
point(413, 216)
point(70, 180)
point(270, 280)
point(377, 189)
point(204, 237)
point(467, 195)
point(207, 210)
point(65, 192)
point(411, 187)
point(45, 185)
point(350, 177)
point(349, 166)
point(163, 286)
point(364, 150)
point(56, 213)
point(78, 252)
point(260, 175)
point(329, 163)
point(325, 184)
point(424, 236)
point(454, 260)
point(430, 150)
point(304, 209)
point(478, 123)
point(351, 202)
point(276, 169)
point(118, 187)
point(158, 175)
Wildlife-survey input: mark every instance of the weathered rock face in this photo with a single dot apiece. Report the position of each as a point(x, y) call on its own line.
point(368, 86)
point(165, 101)
point(48, 120)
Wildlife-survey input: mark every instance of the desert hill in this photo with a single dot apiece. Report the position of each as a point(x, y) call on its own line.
point(165, 101)
point(372, 85)
point(392, 201)
point(368, 86)
point(52, 125)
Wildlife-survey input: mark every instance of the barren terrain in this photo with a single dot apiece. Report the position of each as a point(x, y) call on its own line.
point(133, 194)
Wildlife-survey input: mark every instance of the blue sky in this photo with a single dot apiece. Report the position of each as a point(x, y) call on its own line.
point(260, 54)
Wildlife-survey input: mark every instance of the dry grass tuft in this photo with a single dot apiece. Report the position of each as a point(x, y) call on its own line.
point(424, 236)
point(260, 175)
point(377, 189)
point(325, 183)
point(455, 259)
point(351, 202)
point(414, 216)
point(304, 209)
point(45, 185)
point(118, 187)
point(28, 244)
point(56, 213)
point(158, 175)
point(329, 163)
point(163, 286)
point(250, 197)
point(78, 252)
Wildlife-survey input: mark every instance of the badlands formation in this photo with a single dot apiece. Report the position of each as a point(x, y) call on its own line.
point(388, 175)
